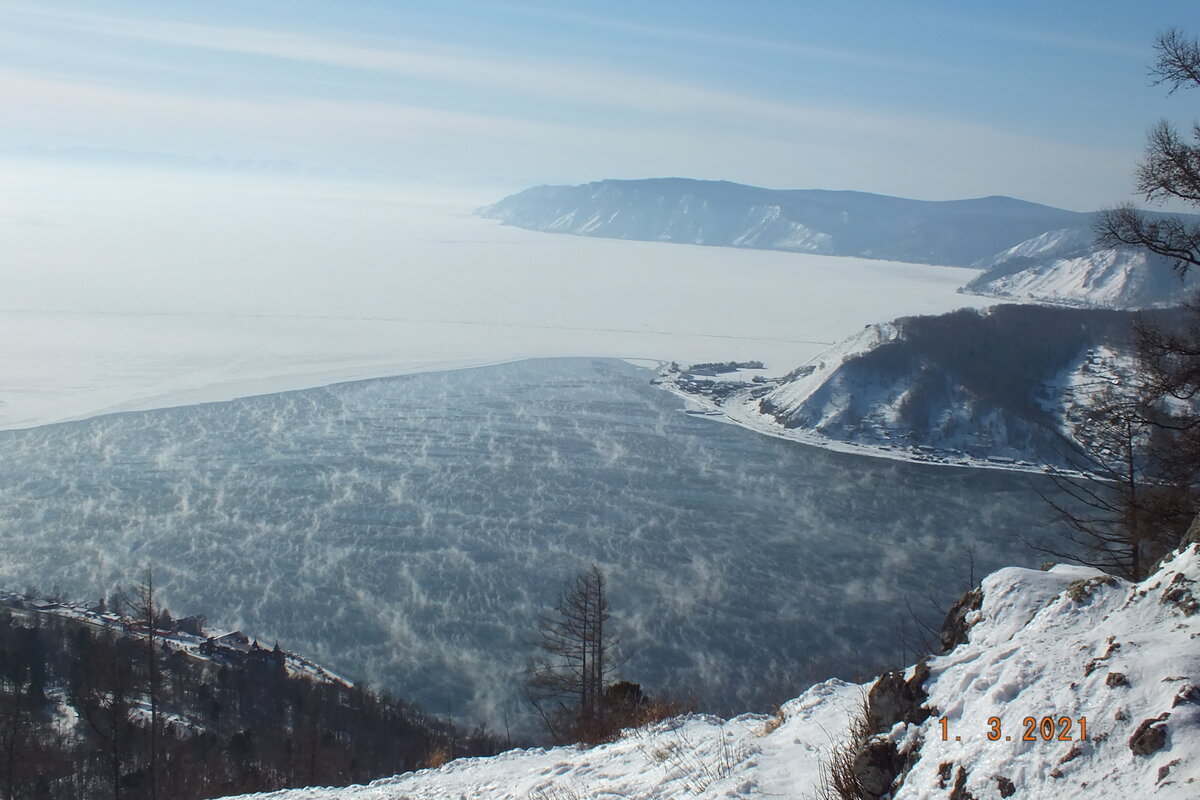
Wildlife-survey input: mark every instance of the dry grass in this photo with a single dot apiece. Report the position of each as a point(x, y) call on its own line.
point(438, 757)
point(773, 722)
point(650, 712)
point(557, 792)
point(694, 771)
point(838, 780)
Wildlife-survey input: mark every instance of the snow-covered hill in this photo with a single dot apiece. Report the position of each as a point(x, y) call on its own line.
point(957, 232)
point(1066, 683)
point(1000, 386)
point(1067, 267)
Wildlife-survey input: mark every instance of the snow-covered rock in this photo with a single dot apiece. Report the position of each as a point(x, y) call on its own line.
point(1071, 644)
point(1120, 661)
point(954, 232)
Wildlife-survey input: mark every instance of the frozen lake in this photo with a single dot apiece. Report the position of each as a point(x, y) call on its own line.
point(134, 290)
point(409, 530)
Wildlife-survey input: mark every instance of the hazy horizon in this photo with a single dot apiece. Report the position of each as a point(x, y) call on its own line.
point(1047, 104)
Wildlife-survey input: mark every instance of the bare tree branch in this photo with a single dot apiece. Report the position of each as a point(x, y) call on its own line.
point(1178, 62)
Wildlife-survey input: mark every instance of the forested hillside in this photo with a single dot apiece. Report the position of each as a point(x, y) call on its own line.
point(88, 709)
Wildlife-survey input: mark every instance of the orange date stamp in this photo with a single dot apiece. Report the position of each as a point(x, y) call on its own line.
point(1043, 729)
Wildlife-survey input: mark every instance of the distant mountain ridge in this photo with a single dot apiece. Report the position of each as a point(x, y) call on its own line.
point(1028, 252)
point(844, 223)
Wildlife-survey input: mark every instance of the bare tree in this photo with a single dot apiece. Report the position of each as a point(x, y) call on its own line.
point(145, 609)
point(1169, 169)
point(108, 701)
point(1140, 448)
point(567, 683)
point(16, 733)
point(1111, 500)
point(1169, 369)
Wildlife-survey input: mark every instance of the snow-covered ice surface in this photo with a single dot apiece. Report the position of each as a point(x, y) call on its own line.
point(132, 292)
point(1068, 643)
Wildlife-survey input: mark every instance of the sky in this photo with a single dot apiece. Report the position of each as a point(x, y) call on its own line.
point(937, 100)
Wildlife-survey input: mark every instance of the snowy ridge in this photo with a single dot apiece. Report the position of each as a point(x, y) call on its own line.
point(822, 383)
point(765, 228)
point(217, 646)
point(1116, 658)
point(695, 756)
point(1061, 243)
point(1067, 268)
point(953, 233)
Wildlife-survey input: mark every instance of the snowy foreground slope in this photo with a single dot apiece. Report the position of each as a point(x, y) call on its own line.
point(1121, 659)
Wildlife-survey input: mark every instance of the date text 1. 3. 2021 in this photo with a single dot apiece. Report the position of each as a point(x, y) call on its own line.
point(1045, 729)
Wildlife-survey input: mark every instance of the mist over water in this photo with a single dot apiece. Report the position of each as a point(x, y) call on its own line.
point(409, 530)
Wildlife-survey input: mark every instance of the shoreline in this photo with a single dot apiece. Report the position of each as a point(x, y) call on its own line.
point(738, 409)
point(260, 387)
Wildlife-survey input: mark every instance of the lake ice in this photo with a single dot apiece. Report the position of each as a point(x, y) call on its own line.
point(140, 290)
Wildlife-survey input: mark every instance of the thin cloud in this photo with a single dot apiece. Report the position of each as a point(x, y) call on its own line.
point(1061, 41)
point(670, 103)
point(571, 85)
point(579, 85)
point(833, 55)
point(666, 128)
point(54, 100)
point(807, 149)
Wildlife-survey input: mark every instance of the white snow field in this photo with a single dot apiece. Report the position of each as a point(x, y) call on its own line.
point(139, 289)
point(1115, 657)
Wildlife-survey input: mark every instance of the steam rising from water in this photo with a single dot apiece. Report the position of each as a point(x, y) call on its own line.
point(409, 530)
